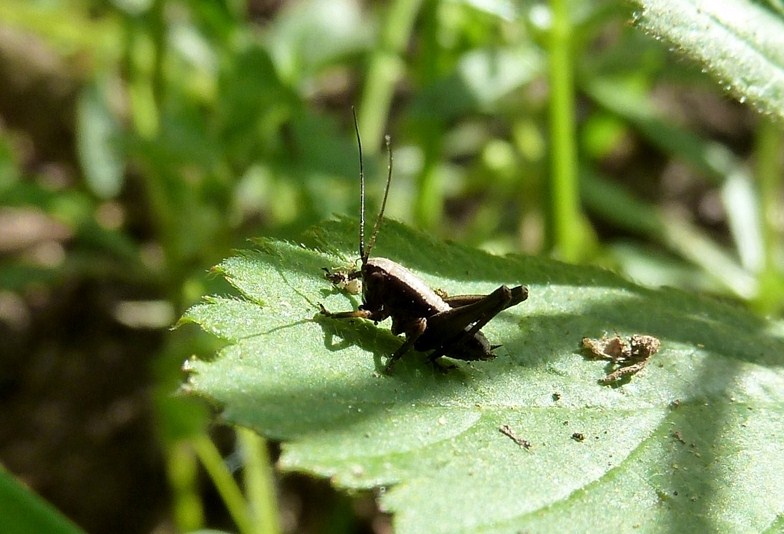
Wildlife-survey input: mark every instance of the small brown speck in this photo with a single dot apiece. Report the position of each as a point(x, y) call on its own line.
point(578, 436)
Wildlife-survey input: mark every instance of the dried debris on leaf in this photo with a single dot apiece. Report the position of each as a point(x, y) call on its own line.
point(506, 430)
point(631, 355)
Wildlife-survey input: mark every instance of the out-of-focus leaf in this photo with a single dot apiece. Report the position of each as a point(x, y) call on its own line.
point(504, 9)
point(98, 137)
point(715, 160)
point(312, 33)
point(654, 268)
point(614, 203)
point(481, 79)
point(23, 511)
point(741, 201)
point(488, 75)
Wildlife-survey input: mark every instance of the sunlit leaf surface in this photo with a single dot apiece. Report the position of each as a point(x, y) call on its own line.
point(693, 442)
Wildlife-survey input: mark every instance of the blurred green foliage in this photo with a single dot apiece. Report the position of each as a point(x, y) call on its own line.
point(153, 136)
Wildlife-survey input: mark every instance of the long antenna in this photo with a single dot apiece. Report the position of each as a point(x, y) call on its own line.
point(361, 191)
point(388, 142)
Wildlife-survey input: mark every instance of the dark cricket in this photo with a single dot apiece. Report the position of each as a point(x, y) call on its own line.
point(431, 321)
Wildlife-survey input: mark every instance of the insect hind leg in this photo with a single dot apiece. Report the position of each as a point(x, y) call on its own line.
point(469, 319)
point(456, 332)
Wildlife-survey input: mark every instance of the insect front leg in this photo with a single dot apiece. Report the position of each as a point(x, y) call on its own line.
point(362, 313)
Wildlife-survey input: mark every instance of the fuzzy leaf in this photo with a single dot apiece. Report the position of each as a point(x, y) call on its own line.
point(741, 42)
point(692, 442)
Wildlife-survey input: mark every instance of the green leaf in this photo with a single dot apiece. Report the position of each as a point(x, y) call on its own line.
point(311, 34)
point(692, 443)
point(23, 511)
point(98, 137)
point(740, 42)
point(482, 78)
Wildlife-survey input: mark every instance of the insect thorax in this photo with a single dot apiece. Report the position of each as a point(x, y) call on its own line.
point(398, 289)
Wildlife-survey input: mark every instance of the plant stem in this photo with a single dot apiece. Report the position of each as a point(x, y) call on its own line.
point(768, 171)
point(224, 482)
point(384, 70)
point(565, 211)
point(259, 482)
point(182, 472)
